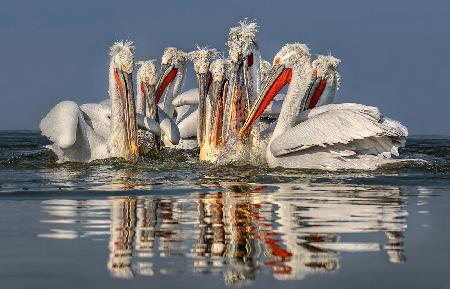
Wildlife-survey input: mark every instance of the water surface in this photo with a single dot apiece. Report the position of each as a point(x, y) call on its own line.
point(173, 222)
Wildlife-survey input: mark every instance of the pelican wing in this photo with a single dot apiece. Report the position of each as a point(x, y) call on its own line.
point(61, 123)
point(188, 126)
point(98, 116)
point(169, 128)
point(336, 124)
point(148, 124)
point(189, 97)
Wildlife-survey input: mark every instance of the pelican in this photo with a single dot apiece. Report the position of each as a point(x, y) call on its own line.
point(185, 103)
point(171, 77)
point(146, 105)
point(170, 84)
point(244, 79)
point(106, 129)
point(201, 58)
point(331, 137)
point(326, 82)
point(211, 140)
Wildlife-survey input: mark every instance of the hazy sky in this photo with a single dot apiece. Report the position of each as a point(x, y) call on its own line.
point(395, 54)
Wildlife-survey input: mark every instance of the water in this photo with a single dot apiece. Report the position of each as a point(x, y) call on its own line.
point(173, 222)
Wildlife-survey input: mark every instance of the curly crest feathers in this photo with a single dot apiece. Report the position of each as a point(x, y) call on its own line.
point(121, 45)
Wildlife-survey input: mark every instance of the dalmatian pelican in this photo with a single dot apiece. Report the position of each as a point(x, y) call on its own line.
point(189, 110)
point(244, 78)
point(322, 91)
point(171, 78)
point(106, 129)
point(176, 103)
point(202, 58)
point(331, 137)
point(146, 105)
point(212, 139)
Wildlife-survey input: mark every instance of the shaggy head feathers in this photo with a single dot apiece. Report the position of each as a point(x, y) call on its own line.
point(291, 54)
point(147, 71)
point(174, 56)
point(202, 58)
point(122, 55)
point(326, 67)
point(220, 69)
point(242, 40)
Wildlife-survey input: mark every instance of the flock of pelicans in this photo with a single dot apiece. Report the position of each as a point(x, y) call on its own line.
point(236, 114)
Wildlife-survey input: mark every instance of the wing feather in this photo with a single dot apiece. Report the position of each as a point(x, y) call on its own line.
point(335, 124)
point(60, 124)
point(189, 97)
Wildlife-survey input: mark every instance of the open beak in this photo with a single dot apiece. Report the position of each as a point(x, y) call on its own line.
point(167, 74)
point(238, 108)
point(203, 86)
point(125, 83)
point(219, 92)
point(276, 79)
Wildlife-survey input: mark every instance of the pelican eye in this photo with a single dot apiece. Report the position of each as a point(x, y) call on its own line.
point(277, 61)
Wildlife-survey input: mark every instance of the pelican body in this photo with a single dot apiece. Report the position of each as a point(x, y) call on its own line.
point(106, 129)
point(333, 136)
point(146, 105)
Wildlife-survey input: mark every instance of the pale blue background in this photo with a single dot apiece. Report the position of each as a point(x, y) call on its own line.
point(394, 53)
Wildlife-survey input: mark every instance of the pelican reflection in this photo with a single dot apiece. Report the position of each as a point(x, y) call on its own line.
point(238, 231)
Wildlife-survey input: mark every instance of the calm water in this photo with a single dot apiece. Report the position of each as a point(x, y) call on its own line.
point(173, 222)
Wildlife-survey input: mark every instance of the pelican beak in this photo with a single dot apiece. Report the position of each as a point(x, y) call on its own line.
point(276, 79)
point(219, 92)
point(203, 81)
point(167, 74)
point(239, 102)
point(152, 107)
point(125, 83)
point(314, 93)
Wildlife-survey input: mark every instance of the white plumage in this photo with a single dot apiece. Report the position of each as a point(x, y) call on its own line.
point(333, 136)
point(85, 133)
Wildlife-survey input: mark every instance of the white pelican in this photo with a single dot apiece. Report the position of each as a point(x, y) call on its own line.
point(146, 105)
point(106, 129)
point(170, 84)
point(201, 58)
point(186, 103)
point(244, 78)
point(212, 139)
point(326, 82)
point(334, 136)
point(171, 77)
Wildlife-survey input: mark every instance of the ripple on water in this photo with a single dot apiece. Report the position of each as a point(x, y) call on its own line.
point(27, 165)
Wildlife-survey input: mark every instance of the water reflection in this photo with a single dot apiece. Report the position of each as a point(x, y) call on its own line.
point(240, 231)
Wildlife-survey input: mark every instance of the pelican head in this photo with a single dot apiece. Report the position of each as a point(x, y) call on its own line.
point(289, 57)
point(123, 137)
point(242, 41)
point(220, 74)
point(146, 80)
point(325, 67)
point(244, 80)
point(173, 62)
point(202, 58)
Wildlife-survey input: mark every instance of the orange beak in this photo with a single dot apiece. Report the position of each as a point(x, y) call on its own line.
point(277, 78)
